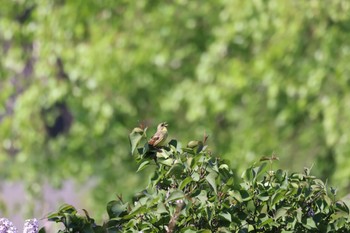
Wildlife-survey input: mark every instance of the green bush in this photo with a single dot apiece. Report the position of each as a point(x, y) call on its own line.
point(193, 191)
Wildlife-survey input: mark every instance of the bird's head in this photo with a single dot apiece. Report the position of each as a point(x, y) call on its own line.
point(162, 126)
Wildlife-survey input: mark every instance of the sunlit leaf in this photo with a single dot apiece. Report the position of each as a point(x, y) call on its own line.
point(211, 178)
point(116, 208)
point(186, 181)
point(176, 195)
point(135, 137)
point(66, 208)
point(262, 169)
point(143, 165)
point(226, 216)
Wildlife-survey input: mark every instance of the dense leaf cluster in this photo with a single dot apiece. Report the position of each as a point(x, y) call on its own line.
point(192, 191)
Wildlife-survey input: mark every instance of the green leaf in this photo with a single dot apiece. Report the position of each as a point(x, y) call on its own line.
point(277, 197)
point(226, 216)
point(266, 222)
point(281, 212)
point(176, 195)
point(42, 230)
point(176, 170)
point(203, 197)
point(280, 175)
point(251, 206)
point(135, 137)
point(333, 191)
point(299, 214)
point(192, 144)
point(337, 215)
point(263, 196)
point(116, 208)
point(204, 231)
point(311, 223)
point(211, 178)
point(236, 195)
point(138, 209)
point(173, 143)
point(249, 174)
point(327, 200)
point(177, 145)
point(245, 195)
point(55, 217)
point(263, 209)
point(294, 185)
point(188, 230)
point(340, 205)
point(143, 165)
point(168, 162)
point(186, 181)
point(195, 176)
point(65, 208)
point(262, 169)
point(161, 208)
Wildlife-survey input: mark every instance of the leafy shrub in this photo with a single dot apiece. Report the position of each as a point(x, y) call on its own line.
point(192, 191)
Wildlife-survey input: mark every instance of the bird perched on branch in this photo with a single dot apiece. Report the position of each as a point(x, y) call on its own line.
point(158, 139)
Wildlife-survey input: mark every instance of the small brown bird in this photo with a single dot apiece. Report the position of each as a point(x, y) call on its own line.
point(158, 139)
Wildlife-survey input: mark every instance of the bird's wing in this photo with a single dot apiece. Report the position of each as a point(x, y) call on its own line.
point(154, 140)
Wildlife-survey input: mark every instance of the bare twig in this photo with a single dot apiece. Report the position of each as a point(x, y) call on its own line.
point(172, 222)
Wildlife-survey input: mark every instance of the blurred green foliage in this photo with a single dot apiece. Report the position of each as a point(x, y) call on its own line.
point(260, 77)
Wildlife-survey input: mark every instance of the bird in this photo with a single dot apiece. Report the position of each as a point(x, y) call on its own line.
point(158, 139)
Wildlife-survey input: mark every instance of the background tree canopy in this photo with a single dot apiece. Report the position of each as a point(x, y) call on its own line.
point(260, 77)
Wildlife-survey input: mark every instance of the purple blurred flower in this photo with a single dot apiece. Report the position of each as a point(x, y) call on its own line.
point(31, 226)
point(6, 226)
